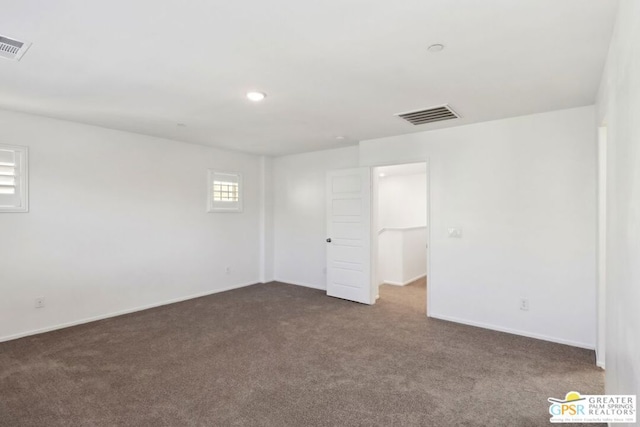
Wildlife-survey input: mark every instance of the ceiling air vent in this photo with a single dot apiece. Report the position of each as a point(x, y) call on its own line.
point(429, 115)
point(12, 49)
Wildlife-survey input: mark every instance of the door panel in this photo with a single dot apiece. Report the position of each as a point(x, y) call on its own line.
point(346, 207)
point(349, 230)
point(346, 184)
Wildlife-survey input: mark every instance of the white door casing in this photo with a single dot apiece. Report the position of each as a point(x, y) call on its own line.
point(348, 216)
point(601, 295)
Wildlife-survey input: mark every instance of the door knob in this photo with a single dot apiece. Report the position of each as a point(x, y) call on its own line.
point(329, 240)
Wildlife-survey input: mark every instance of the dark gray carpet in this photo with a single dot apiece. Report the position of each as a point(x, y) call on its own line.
point(282, 355)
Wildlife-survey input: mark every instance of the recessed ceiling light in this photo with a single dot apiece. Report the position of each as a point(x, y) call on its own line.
point(256, 96)
point(435, 48)
point(339, 137)
point(381, 175)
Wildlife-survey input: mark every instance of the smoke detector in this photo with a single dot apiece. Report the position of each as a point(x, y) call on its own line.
point(12, 48)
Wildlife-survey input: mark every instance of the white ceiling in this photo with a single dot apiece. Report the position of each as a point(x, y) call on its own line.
point(333, 67)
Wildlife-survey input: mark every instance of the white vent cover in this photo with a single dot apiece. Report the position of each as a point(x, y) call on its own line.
point(429, 115)
point(12, 49)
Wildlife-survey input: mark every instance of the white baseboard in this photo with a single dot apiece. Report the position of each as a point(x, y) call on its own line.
point(388, 282)
point(120, 313)
point(513, 331)
point(600, 359)
point(306, 285)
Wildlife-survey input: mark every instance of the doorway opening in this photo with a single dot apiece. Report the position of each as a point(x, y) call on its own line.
point(400, 233)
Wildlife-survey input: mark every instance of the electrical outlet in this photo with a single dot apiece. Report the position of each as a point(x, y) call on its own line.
point(524, 304)
point(227, 270)
point(39, 302)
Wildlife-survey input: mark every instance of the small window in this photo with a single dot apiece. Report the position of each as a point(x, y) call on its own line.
point(13, 179)
point(225, 192)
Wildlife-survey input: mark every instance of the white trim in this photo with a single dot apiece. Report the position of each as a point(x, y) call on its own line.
point(601, 249)
point(374, 248)
point(600, 363)
point(23, 179)
point(418, 227)
point(263, 221)
point(388, 282)
point(122, 312)
point(429, 274)
point(304, 285)
point(217, 207)
point(514, 331)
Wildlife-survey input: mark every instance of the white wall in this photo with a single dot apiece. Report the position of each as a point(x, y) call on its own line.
point(390, 257)
point(523, 191)
point(402, 255)
point(619, 105)
point(414, 254)
point(117, 221)
point(299, 213)
point(266, 220)
point(402, 201)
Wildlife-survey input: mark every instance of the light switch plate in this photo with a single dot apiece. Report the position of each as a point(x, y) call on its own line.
point(455, 232)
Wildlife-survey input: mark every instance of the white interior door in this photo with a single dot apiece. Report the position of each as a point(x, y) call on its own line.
point(349, 235)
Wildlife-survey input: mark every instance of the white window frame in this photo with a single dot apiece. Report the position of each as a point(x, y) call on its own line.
point(20, 201)
point(224, 205)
